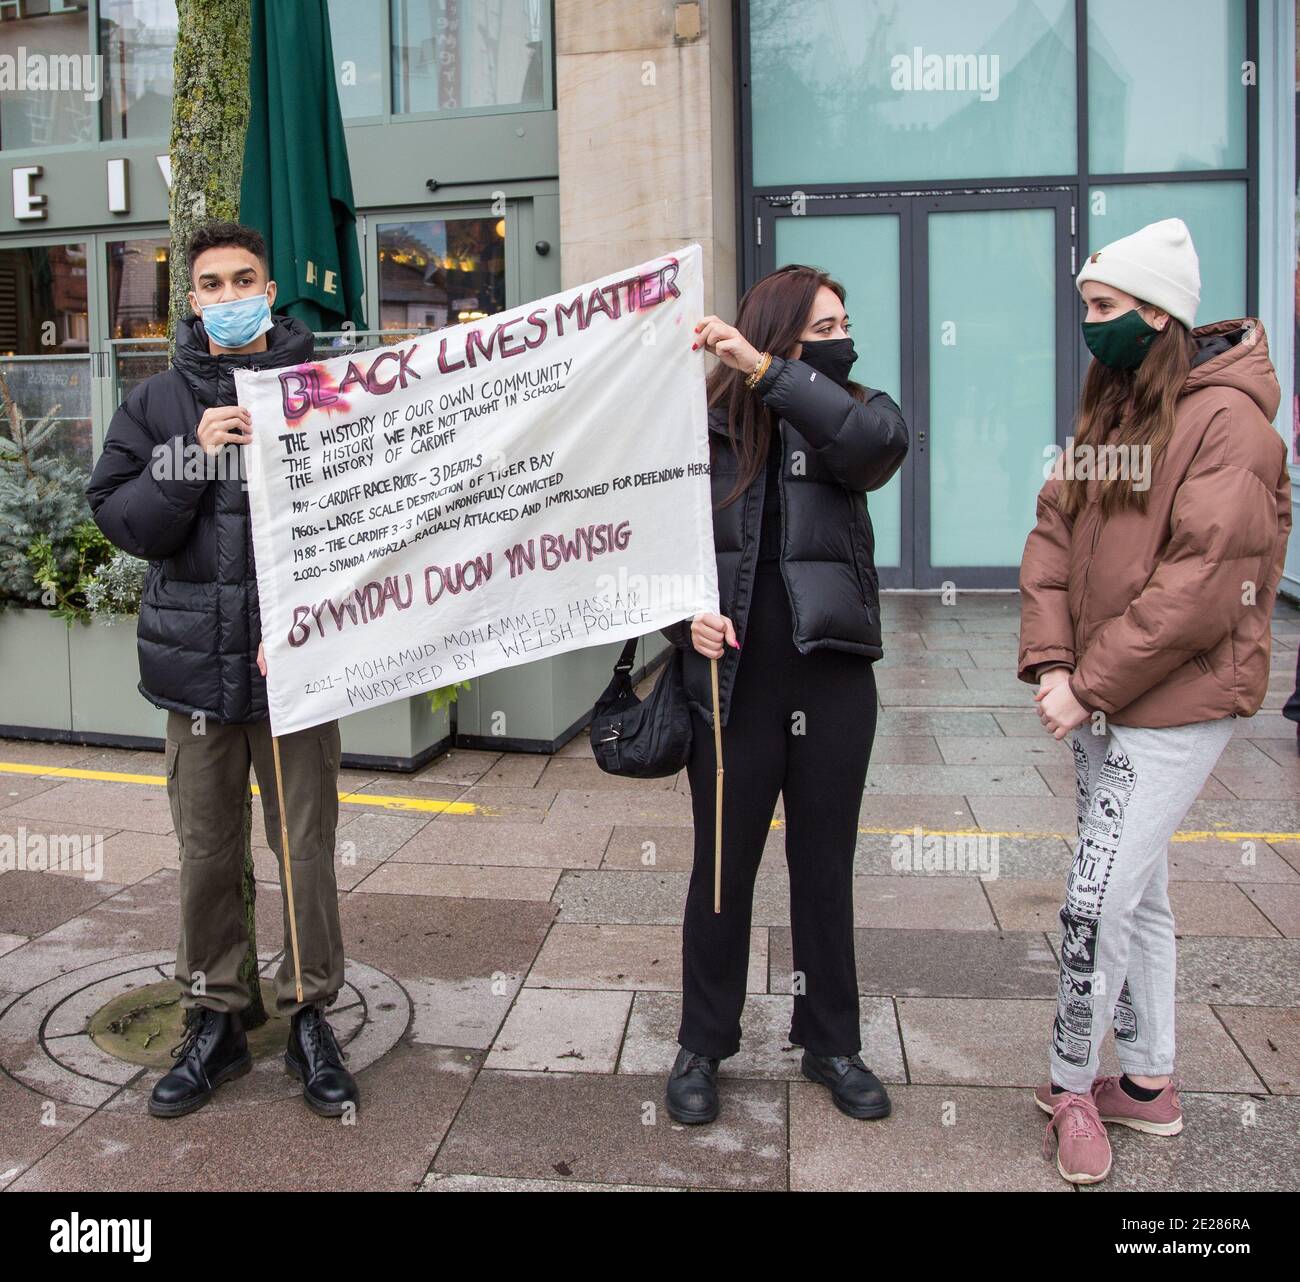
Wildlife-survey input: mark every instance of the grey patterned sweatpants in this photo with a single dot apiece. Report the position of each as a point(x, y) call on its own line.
point(1117, 930)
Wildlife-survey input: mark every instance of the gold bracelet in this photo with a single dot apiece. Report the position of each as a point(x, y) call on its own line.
point(756, 374)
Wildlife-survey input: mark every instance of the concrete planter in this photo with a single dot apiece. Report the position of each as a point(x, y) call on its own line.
point(34, 688)
point(79, 684)
point(539, 707)
point(398, 736)
point(104, 674)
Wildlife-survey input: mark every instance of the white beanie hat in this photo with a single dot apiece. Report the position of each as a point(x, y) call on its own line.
point(1156, 264)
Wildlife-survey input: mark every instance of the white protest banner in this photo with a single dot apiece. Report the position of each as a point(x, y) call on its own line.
point(488, 494)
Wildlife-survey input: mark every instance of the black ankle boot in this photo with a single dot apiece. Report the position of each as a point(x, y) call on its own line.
point(314, 1058)
point(213, 1051)
point(856, 1090)
point(693, 1089)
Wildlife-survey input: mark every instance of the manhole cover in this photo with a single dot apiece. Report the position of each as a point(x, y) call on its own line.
point(143, 1025)
point(87, 1035)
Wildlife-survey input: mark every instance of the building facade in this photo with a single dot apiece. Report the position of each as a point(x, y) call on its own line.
point(950, 162)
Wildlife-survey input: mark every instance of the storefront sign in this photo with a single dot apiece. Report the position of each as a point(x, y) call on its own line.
point(489, 494)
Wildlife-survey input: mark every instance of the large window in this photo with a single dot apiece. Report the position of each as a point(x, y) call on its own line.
point(1215, 214)
point(440, 57)
point(440, 271)
point(844, 91)
point(137, 274)
point(56, 104)
point(44, 345)
point(1166, 87)
point(89, 71)
point(138, 41)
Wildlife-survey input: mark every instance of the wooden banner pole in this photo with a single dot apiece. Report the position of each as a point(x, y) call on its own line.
point(717, 799)
point(288, 869)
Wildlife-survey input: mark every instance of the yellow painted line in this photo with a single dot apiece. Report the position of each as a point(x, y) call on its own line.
point(428, 805)
point(424, 805)
point(66, 772)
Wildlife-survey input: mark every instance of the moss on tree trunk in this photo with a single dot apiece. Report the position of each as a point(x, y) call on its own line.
point(209, 121)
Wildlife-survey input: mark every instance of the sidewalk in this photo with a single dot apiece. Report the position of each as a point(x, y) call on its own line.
point(514, 967)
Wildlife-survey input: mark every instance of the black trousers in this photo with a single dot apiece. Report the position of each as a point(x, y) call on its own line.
point(800, 726)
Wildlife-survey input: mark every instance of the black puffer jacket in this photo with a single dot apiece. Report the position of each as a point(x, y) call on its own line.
point(828, 547)
point(199, 624)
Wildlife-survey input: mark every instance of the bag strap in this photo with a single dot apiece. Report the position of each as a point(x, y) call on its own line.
point(626, 659)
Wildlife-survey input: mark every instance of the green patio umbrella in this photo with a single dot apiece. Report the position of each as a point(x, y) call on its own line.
point(297, 188)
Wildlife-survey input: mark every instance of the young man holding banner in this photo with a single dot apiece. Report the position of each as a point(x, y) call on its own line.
point(169, 488)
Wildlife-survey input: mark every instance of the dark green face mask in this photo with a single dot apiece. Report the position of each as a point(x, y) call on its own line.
point(1121, 343)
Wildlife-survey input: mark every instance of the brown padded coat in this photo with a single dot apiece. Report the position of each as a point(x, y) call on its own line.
point(1164, 616)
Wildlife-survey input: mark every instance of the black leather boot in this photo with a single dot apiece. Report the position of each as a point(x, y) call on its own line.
point(856, 1090)
point(213, 1051)
point(314, 1058)
point(693, 1089)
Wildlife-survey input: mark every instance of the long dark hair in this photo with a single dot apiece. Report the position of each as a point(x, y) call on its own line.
point(772, 315)
point(1142, 402)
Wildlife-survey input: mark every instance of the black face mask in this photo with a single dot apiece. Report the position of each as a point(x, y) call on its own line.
point(833, 357)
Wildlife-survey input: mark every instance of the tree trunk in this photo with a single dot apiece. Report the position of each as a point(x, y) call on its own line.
point(209, 121)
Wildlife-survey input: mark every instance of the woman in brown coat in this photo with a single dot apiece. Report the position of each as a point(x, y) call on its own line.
point(1147, 586)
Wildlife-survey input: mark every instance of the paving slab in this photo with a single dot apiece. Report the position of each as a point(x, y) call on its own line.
point(436, 1183)
point(939, 963)
point(1200, 907)
point(495, 804)
point(572, 774)
point(1239, 861)
point(1012, 815)
point(658, 898)
point(1061, 780)
point(1005, 1043)
point(33, 902)
point(599, 1128)
point(938, 1138)
point(1239, 972)
point(895, 721)
point(905, 750)
point(458, 766)
point(968, 781)
point(1269, 1036)
point(880, 855)
point(626, 957)
point(408, 1101)
point(30, 1126)
point(377, 835)
point(462, 881)
point(1228, 1143)
point(508, 845)
point(90, 805)
point(765, 1050)
point(886, 814)
point(461, 961)
point(1279, 903)
point(1001, 750)
point(914, 902)
point(581, 807)
point(558, 1030)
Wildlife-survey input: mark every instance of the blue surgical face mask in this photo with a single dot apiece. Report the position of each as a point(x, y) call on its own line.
point(238, 322)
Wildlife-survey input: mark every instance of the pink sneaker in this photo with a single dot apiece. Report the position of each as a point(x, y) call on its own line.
point(1160, 1116)
point(1082, 1149)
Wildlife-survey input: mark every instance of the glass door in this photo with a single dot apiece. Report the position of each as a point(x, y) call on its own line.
point(865, 244)
point(963, 309)
point(993, 363)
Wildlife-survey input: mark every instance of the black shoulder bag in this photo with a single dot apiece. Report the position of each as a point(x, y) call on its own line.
point(645, 740)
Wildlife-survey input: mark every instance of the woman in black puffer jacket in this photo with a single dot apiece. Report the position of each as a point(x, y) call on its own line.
point(794, 444)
